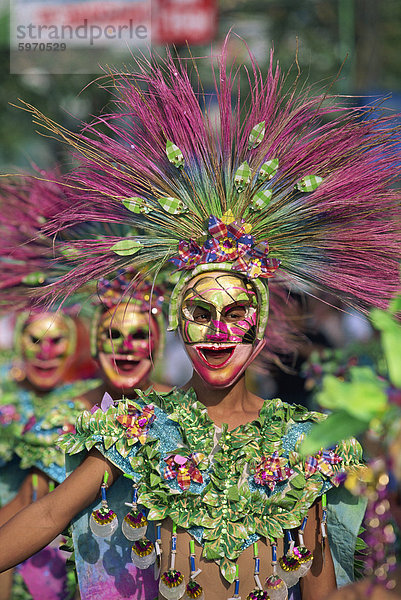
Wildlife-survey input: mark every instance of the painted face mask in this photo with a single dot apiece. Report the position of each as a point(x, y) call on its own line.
point(124, 347)
point(48, 344)
point(218, 323)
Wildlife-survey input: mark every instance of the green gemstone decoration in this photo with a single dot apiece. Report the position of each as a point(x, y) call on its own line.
point(257, 134)
point(173, 206)
point(69, 252)
point(174, 155)
point(137, 205)
point(242, 177)
point(268, 169)
point(126, 247)
point(36, 278)
point(261, 200)
point(309, 183)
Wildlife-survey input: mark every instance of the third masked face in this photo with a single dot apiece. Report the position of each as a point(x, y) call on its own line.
point(48, 344)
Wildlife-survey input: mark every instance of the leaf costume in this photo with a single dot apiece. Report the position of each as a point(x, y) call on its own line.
point(224, 513)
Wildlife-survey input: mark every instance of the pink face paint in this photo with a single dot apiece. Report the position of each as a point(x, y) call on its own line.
point(218, 325)
point(48, 345)
point(220, 332)
point(125, 356)
point(228, 368)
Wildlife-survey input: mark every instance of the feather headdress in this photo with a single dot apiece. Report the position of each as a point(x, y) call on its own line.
point(27, 258)
point(278, 179)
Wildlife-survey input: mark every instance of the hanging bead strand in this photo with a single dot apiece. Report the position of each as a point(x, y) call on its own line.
point(103, 521)
point(35, 482)
point(288, 565)
point(304, 556)
point(257, 565)
point(275, 586)
point(257, 593)
point(236, 586)
point(323, 526)
point(193, 590)
point(158, 548)
point(135, 524)
point(172, 584)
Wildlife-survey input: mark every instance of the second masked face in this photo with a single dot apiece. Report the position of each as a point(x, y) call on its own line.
point(219, 318)
point(124, 343)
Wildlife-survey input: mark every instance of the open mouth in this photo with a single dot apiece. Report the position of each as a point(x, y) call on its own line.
point(125, 364)
point(215, 356)
point(45, 367)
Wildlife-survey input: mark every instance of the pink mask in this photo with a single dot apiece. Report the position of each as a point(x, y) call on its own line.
point(124, 344)
point(218, 324)
point(48, 344)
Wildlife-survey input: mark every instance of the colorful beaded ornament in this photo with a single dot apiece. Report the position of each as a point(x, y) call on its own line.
point(135, 523)
point(143, 553)
point(103, 521)
point(172, 584)
point(275, 586)
point(193, 589)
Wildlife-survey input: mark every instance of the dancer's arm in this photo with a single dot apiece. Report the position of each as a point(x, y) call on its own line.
point(22, 499)
point(24, 495)
point(37, 525)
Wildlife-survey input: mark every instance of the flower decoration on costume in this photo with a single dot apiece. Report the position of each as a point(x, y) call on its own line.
point(137, 423)
point(105, 404)
point(271, 470)
point(184, 468)
point(323, 461)
point(8, 414)
point(230, 241)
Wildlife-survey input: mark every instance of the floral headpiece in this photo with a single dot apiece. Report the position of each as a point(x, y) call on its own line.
point(230, 242)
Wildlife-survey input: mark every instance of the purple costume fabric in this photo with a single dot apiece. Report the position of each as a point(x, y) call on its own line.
point(45, 574)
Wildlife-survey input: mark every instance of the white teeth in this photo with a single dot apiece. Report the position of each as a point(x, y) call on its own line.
point(217, 348)
point(126, 357)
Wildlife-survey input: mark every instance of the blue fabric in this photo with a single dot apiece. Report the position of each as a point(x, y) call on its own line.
point(294, 593)
point(11, 478)
point(55, 472)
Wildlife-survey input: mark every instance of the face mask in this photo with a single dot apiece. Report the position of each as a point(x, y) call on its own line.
point(124, 344)
point(48, 344)
point(218, 324)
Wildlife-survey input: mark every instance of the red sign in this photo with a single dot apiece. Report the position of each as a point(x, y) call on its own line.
point(181, 21)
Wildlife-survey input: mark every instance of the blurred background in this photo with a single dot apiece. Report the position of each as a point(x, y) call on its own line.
point(364, 33)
